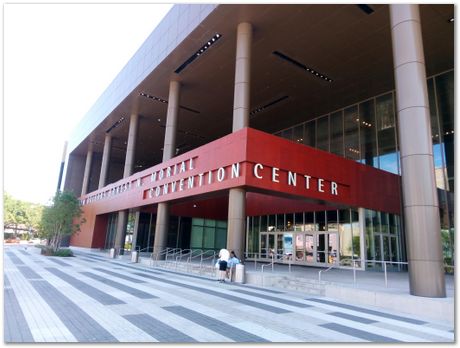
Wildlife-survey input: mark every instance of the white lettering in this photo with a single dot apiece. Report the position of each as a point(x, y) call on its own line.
point(220, 174)
point(173, 186)
point(190, 164)
point(201, 178)
point(191, 182)
point(275, 174)
point(292, 178)
point(181, 185)
point(165, 189)
point(307, 181)
point(182, 167)
point(235, 170)
point(209, 177)
point(139, 183)
point(153, 177)
point(334, 188)
point(168, 172)
point(157, 191)
point(162, 174)
point(151, 193)
point(175, 169)
point(320, 185)
point(256, 170)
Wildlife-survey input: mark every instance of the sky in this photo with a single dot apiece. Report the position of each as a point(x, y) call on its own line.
point(58, 59)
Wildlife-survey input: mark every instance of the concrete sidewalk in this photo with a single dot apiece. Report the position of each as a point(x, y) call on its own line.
point(91, 298)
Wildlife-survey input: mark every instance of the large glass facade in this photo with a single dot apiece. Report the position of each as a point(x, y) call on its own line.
point(366, 132)
point(321, 238)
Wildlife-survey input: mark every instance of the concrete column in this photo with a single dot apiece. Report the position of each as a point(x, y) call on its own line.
point(121, 231)
point(161, 227)
point(105, 160)
point(89, 159)
point(236, 229)
point(129, 165)
point(169, 148)
point(137, 215)
point(169, 151)
point(131, 145)
point(241, 104)
point(241, 100)
point(420, 200)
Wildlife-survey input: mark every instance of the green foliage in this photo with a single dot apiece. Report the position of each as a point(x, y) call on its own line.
point(62, 218)
point(63, 252)
point(19, 214)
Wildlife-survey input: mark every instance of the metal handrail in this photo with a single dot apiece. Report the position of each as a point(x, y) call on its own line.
point(158, 254)
point(385, 267)
point(213, 257)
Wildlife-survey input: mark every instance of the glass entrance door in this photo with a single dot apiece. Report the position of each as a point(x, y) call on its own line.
point(310, 248)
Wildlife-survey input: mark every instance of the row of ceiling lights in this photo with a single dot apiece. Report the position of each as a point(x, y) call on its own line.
point(153, 97)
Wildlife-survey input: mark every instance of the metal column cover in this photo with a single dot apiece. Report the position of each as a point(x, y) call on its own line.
point(421, 210)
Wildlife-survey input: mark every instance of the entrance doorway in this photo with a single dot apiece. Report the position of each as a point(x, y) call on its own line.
point(315, 248)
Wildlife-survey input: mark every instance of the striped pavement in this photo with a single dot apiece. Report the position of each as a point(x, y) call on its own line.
point(90, 298)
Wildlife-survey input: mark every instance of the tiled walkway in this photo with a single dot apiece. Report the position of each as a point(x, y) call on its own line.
point(90, 298)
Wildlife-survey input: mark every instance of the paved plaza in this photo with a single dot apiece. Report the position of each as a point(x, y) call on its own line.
point(90, 298)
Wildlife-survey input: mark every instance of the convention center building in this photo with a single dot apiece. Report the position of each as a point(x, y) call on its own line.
point(319, 133)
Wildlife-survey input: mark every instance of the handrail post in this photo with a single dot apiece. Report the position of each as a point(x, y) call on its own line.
point(385, 270)
point(273, 261)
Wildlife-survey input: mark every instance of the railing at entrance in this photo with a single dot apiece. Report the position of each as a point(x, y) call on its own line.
point(187, 259)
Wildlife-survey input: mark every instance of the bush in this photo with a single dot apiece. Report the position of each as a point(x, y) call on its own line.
point(48, 251)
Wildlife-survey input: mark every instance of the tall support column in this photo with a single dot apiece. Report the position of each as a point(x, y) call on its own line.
point(128, 170)
point(131, 145)
point(169, 151)
point(161, 227)
point(121, 231)
point(105, 160)
point(420, 200)
point(137, 215)
point(241, 99)
point(89, 159)
point(236, 221)
point(169, 148)
point(241, 104)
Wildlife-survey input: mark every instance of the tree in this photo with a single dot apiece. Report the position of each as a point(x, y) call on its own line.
point(62, 218)
point(20, 215)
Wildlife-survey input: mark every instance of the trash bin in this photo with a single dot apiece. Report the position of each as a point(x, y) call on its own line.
point(239, 273)
point(112, 253)
point(135, 257)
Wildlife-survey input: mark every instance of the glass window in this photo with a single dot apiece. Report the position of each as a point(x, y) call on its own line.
point(196, 238)
point(298, 222)
point(368, 134)
point(445, 98)
point(332, 224)
point(220, 238)
point(351, 133)
point(320, 217)
point(271, 223)
point(209, 237)
point(386, 133)
point(310, 133)
point(298, 134)
point(336, 126)
point(356, 234)
point(322, 133)
point(263, 223)
point(345, 236)
point(310, 222)
point(280, 224)
point(289, 222)
point(287, 134)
